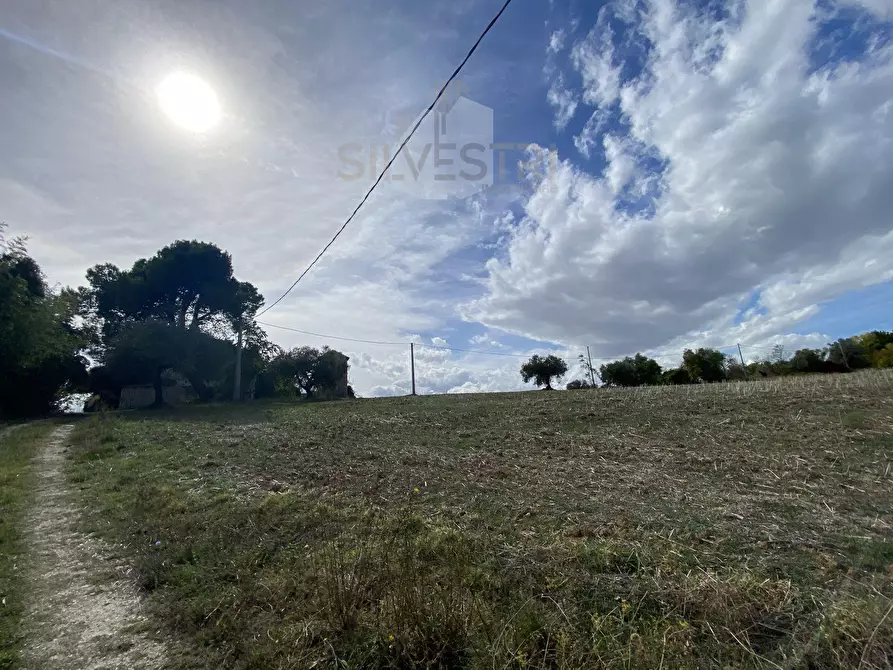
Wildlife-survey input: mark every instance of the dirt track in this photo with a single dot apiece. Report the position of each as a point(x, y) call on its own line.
point(83, 609)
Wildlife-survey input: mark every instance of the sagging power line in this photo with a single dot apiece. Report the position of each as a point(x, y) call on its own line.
point(394, 157)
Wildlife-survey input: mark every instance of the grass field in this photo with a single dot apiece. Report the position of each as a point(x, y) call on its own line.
point(739, 525)
point(17, 447)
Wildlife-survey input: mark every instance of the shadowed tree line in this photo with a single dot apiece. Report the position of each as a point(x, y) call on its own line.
point(171, 319)
point(41, 341)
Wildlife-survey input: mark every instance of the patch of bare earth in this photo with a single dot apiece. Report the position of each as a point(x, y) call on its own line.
point(84, 611)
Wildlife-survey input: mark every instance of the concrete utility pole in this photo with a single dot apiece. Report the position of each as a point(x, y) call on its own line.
point(412, 364)
point(741, 356)
point(591, 373)
point(843, 353)
point(237, 377)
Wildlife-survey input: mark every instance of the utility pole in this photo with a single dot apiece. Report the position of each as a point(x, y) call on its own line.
point(237, 377)
point(412, 364)
point(741, 356)
point(591, 373)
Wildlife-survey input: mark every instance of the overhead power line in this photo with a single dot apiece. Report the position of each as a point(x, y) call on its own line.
point(328, 337)
point(404, 343)
point(394, 157)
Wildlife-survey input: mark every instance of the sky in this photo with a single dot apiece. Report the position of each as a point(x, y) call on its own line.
point(667, 174)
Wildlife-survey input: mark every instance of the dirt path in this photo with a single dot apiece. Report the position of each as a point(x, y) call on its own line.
point(84, 613)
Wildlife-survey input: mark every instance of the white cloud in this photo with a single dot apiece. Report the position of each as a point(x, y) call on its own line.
point(593, 58)
point(882, 8)
point(563, 100)
point(486, 340)
point(776, 179)
point(556, 41)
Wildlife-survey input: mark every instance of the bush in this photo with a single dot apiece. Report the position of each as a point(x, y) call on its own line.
point(578, 384)
point(676, 376)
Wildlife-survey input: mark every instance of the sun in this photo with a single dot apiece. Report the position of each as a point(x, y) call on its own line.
point(189, 102)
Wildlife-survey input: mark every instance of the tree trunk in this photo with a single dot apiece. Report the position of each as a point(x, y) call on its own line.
point(159, 388)
point(181, 316)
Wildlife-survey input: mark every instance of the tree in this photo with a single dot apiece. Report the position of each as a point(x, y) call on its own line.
point(883, 358)
point(310, 372)
point(808, 360)
point(705, 365)
point(777, 355)
point(638, 370)
point(187, 284)
point(879, 345)
point(849, 352)
point(875, 340)
point(187, 296)
point(541, 369)
point(40, 341)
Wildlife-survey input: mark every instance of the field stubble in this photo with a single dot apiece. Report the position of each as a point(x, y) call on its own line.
point(743, 524)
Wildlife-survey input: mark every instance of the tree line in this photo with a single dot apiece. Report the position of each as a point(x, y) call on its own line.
point(873, 349)
point(170, 319)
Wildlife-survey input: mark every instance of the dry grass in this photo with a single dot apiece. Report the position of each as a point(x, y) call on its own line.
point(727, 525)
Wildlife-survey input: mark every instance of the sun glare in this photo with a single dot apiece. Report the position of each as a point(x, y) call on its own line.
point(189, 102)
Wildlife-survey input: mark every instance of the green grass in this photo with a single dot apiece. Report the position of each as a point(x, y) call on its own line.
point(742, 525)
point(17, 447)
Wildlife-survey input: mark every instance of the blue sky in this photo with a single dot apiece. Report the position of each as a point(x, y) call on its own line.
point(719, 171)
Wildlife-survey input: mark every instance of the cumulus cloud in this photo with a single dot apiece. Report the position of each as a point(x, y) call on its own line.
point(737, 166)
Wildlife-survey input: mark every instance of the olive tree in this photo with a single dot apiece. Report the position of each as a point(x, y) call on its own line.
point(542, 369)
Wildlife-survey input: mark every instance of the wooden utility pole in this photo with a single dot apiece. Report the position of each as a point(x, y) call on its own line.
point(741, 356)
point(237, 377)
point(591, 373)
point(412, 364)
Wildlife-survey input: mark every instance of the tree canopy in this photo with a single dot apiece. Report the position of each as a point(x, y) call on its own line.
point(705, 365)
point(542, 369)
point(638, 370)
point(177, 310)
point(309, 372)
point(188, 284)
